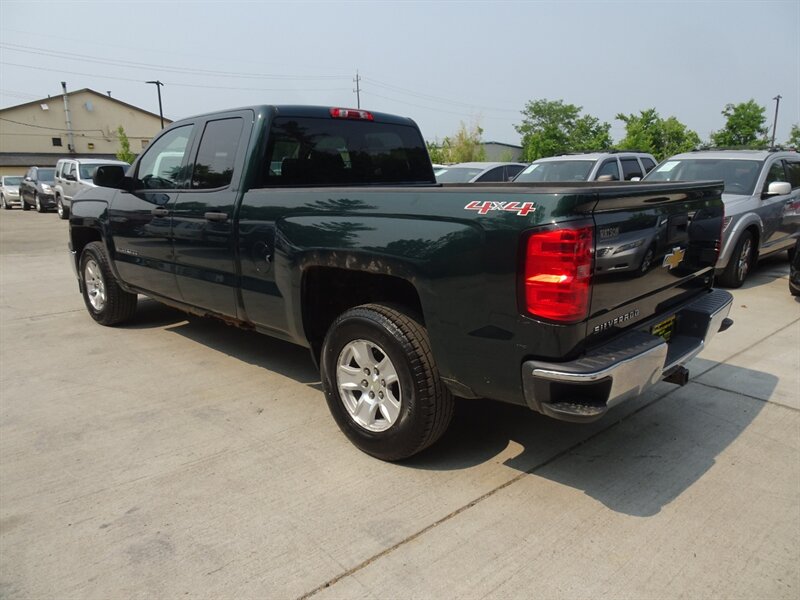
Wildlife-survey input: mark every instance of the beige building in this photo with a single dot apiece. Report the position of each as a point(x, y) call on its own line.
point(37, 133)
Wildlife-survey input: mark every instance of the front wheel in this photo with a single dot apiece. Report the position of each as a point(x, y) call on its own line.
point(38, 203)
point(63, 212)
point(106, 301)
point(381, 382)
point(741, 262)
point(3, 201)
point(23, 204)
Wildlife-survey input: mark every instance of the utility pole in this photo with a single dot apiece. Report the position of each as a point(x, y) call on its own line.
point(158, 84)
point(70, 137)
point(357, 81)
point(775, 123)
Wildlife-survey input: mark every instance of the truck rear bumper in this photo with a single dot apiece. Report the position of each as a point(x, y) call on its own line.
point(584, 389)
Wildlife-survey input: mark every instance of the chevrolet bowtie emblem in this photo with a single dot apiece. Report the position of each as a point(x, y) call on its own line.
point(674, 258)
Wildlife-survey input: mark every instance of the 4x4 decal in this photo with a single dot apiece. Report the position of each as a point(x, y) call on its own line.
point(521, 208)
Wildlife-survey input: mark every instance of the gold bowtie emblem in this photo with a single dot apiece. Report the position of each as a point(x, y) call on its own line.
point(674, 258)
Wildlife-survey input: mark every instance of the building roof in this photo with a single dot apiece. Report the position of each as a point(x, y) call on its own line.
point(80, 91)
point(503, 144)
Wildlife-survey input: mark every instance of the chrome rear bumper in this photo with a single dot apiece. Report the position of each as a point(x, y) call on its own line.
point(584, 389)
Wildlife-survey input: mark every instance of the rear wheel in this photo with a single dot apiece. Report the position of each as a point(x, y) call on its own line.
point(106, 301)
point(381, 383)
point(741, 262)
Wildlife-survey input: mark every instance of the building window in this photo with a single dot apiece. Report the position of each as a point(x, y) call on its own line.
point(57, 141)
point(91, 145)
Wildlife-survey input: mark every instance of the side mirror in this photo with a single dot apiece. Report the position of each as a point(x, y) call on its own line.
point(70, 177)
point(606, 178)
point(27, 178)
point(778, 188)
point(636, 178)
point(112, 176)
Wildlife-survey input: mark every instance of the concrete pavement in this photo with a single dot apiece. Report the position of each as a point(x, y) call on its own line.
point(181, 457)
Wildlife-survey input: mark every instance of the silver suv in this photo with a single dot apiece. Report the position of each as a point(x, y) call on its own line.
point(614, 165)
point(74, 175)
point(761, 196)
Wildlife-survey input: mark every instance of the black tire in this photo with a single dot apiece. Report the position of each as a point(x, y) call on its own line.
point(425, 403)
point(5, 204)
point(63, 211)
point(23, 204)
point(117, 305)
point(38, 203)
point(647, 262)
point(741, 262)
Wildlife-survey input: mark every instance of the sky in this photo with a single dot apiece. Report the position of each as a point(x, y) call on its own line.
point(440, 63)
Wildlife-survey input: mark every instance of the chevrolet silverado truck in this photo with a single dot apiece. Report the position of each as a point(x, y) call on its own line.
point(325, 227)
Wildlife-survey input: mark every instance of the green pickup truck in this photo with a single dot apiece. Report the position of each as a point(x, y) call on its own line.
point(325, 227)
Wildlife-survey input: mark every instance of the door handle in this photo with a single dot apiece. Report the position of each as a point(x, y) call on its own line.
point(160, 212)
point(220, 217)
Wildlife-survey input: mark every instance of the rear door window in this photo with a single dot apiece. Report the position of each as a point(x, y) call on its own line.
point(495, 174)
point(631, 168)
point(512, 171)
point(213, 167)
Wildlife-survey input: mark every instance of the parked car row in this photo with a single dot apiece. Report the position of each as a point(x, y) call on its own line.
point(44, 188)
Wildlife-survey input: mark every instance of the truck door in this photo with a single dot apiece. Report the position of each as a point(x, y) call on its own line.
point(202, 220)
point(140, 220)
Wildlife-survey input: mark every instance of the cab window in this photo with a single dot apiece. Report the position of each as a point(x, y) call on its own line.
point(775, 173)
point(160, 166)
point(609, 168)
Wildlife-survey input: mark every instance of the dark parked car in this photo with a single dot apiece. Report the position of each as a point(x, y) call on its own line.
point(794, 270)
point(36, 189)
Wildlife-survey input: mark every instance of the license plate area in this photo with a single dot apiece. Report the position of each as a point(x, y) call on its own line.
point(664, 329)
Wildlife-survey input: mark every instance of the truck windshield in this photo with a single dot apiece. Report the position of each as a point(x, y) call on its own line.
point(319, 151)
point(557, 170)
point(46, 175)
point(739, 175)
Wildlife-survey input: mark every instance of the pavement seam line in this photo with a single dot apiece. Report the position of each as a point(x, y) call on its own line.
point(772, 402)
point(365, 563)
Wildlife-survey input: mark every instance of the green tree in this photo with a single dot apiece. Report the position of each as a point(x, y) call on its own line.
point(794, 137)
point(648, 132)
point(464, 146)
point(745, 127)
point(550, 127)
point(124, 152)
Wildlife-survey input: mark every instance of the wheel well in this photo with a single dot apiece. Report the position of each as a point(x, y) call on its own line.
point(82, 236)
point(328, 292)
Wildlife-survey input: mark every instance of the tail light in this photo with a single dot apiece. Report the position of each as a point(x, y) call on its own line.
point(558, 274)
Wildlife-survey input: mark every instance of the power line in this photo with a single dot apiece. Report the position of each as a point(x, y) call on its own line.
point(187, 85)
point(408, 92)
point(149, 66)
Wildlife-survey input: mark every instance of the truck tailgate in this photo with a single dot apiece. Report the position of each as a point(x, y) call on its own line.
point(654, 249)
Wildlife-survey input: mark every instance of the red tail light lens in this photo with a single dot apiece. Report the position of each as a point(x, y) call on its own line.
point(558, 274)
point(351, 113)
